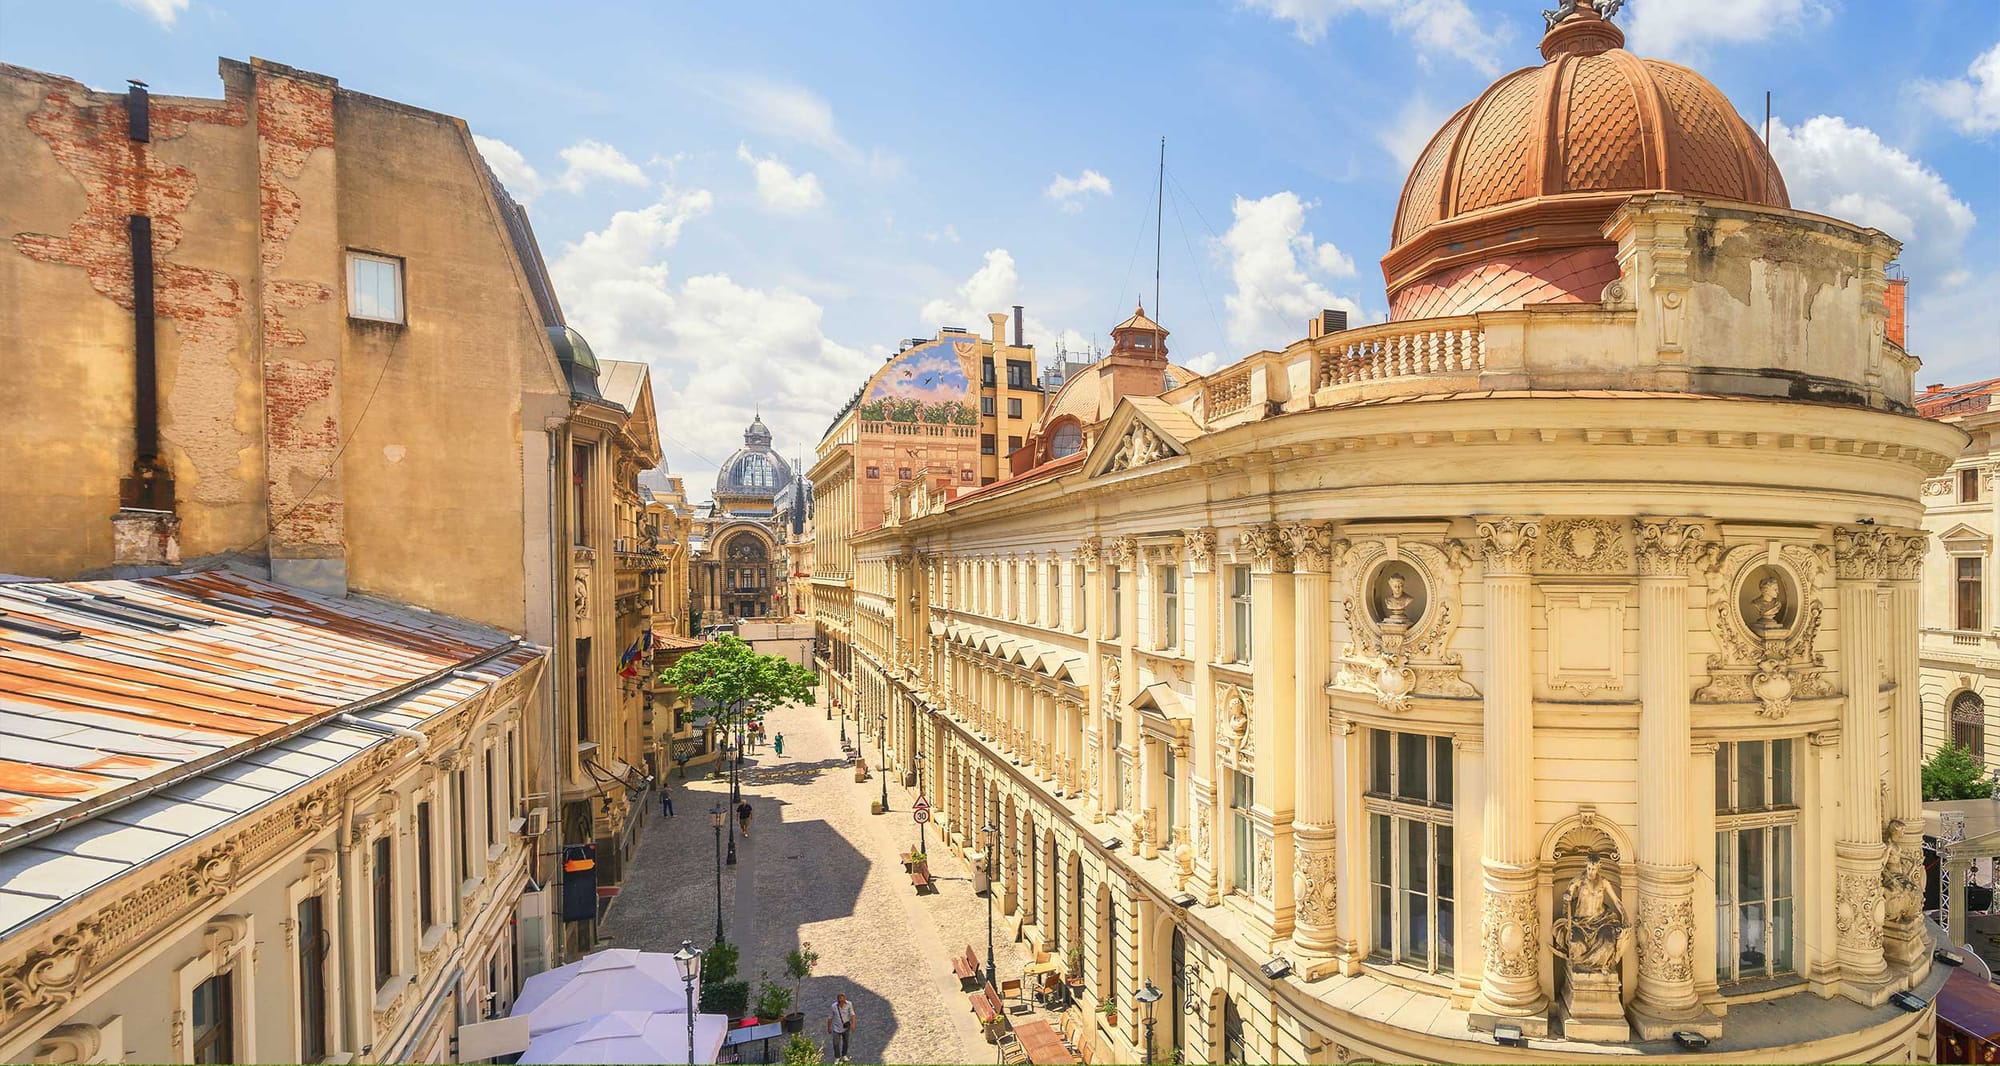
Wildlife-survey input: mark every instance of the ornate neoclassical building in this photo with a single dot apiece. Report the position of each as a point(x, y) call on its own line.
point(741, 568)
point(1544, 659)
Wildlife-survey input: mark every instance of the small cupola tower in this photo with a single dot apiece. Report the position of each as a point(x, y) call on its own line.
point(1137, 365)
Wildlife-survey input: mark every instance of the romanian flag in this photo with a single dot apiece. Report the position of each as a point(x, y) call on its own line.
point(628, 661)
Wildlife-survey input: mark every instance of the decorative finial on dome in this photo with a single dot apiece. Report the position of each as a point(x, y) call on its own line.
point(1581, 27)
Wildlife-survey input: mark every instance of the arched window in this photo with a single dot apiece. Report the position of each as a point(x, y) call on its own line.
point(1232, 1033)
point(755, 472)
point(1068, 440)
point(1968, 724)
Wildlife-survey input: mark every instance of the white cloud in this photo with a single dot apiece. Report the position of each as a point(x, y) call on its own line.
point(164, 12)
point(716, 345)
point(779, 188)
point(1068, 193)
point(792, 112)
point(1971, 103)
point(1203, 364)
point(1273, 260)
point(996, 286)
point(586, 161)
point(1414, 126)
point(1680, 28)
point(1446, 27)
point(1846, 171)
point(948, 233)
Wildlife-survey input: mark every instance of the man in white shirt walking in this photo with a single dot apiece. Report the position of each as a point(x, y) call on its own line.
point(840, 1023)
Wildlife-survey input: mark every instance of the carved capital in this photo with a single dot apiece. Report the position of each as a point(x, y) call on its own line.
point(1311, 546)
point(1860, 553)
point(1265, 547)
point(1200, 547)
point(1509, 543)
point(1124, 552)
point(1904, 553)
point(1086, 553)
point(1670, 547)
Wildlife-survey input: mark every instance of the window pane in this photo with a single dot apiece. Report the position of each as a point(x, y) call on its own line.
point(1781, 773)
point(1410, 767)
point(1750, 865)
point(1415, 865)
point(1445, 888)
point(1781, 936)
point(1379, 761)
point(1725, 909)
point(1441, 771)
point(1385, 918)
point(1752, 960)
point(1781, 861)
point(1722, 760)
point(1750, 775)
point(1416, 929)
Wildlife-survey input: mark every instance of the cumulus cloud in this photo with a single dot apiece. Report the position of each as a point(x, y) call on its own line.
point(1846, 171)
point(1680, 28)
point(1278, 269)
point(779, 188)
point(1203, 364)
point(1069, 193)
point(1971, 103)
point(164, 12)
point(1439, 27)
point(996, 286)
point(584, 163)
point(715, 345)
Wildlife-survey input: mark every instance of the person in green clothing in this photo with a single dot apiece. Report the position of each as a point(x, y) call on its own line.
point(778, 745)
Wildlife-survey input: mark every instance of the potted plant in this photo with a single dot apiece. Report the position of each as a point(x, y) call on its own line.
point(1074, 957)
point(799, 965)
point(774, 1000)
point(719, 994)
point(916, 859)
point(1109, 1008)
point(802, 1050)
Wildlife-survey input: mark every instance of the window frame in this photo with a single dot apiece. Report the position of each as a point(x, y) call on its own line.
point(1241, 803)
point(1968, 583)
point(426, 868)
point(382, 908)
point(1389, 803)
point(1168, 637)
point(203, 1040)
point(1775, 821)
point(1968, 485)
point(1242, 620)
point(1013, 407)
point(356, 257)
point(313, 953)
point(1114, 601)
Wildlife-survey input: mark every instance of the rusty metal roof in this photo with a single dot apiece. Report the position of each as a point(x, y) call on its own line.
point(137, 715)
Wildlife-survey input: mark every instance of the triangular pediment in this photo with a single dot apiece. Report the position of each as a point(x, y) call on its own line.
point(1962, 536)
point(1137, 435)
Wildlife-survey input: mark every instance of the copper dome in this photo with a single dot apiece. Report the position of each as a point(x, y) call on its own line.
point(1504, 205)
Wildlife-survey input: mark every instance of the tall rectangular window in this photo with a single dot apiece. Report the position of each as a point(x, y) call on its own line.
point(986, 405)
point(1968, 485)
point(1756, 817)
point(426, 891)
point(986, 445)
point(384, 903)
point(374, 287)
point(579, 487)
point(582, 690)
point(463, 837)
point(1170, 608)
point(1080, 603)
point(1169, 772)
point(1013, 408)
point(313, 943)
point(1020, 375)
point(213, 1019)
point(1412, 889)
point(1114, 601)
point(492, 817)
point(1242, 838)
point(1239, 614)
point(1054, 586)
point(1971, 588)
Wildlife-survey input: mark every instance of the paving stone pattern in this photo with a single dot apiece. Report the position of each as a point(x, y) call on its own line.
point(818, 867)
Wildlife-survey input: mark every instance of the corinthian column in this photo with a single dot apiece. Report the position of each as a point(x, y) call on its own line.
point(1273, 671)
point(1904, 940)
point(1315, 925)
point(1200, 548)
point(1511, 987)
point(1858, 902)
point(1666, 997)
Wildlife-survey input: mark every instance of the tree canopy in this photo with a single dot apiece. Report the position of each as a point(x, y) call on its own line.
point(1951, 773)
point(739, 681)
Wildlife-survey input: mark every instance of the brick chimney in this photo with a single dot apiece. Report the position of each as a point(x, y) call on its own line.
point(1898, 299)
point(1137, 365)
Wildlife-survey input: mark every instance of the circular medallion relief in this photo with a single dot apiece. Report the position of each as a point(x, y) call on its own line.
point(1396, 594)
point(1768, 601)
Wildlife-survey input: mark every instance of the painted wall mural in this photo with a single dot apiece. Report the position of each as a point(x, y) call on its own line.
point(934, 382)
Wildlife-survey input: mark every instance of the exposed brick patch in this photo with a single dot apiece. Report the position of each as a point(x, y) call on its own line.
point(86, 133)
point(293, 119)
point(303, 436)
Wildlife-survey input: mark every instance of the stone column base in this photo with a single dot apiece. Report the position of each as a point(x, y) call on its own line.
point(1653, 1025)
point(1592, 1010)
point(1908, 947)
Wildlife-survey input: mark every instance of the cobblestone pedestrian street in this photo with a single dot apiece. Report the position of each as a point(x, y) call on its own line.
point(819, 868)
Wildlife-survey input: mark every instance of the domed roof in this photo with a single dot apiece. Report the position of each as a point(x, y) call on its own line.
point(754, 469)
point(1545, 154)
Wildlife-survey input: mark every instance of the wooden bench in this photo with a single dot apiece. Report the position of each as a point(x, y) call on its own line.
point(985, 1006)
point(920, 879)
point(966, 966)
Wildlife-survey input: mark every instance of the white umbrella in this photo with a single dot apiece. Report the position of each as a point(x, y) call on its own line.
point(631, 1036)
point(622, 979)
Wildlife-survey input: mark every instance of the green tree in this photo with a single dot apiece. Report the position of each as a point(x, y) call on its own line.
point(739, 683)
point(1952, 774)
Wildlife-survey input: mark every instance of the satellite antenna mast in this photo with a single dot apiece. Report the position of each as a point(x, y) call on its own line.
point(1159, 217)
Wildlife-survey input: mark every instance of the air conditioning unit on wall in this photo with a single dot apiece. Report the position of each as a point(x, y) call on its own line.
point(535, 823)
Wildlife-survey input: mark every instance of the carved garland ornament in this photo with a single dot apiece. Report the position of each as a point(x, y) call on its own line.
point(1584, 546)
point(1265, 860)
point(1314, 883)
point(1395, 664)
point(1858, 905)
point(1666, 938)
point(1509, 930)
point(1769, 668)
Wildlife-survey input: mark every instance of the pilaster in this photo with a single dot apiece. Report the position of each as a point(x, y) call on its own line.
point(1859, 557)
point(1200, 548)
point(1905, 942)
point(1316, 926)
point(1273, 725)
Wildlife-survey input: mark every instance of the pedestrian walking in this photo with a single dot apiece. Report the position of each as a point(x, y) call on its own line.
point(743, 816)
point(778, 745)
point(840, 1023)
point(666, 800)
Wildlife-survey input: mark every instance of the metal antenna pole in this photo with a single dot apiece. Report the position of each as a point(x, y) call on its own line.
point(1159, 217)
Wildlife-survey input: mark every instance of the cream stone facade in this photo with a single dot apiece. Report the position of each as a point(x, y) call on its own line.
point(1961, 615)
point(1309, 689)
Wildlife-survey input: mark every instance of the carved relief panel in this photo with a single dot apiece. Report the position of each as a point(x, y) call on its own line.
point(1400, 602)
point(1764, 612)
point(1587, 642)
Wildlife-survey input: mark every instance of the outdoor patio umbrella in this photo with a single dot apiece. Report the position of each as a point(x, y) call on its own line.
point(622, 979)
point(631, 1036)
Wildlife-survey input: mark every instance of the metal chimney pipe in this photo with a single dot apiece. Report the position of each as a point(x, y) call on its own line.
point(1017, 327)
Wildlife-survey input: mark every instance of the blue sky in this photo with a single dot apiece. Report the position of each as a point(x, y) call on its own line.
point(763, 199)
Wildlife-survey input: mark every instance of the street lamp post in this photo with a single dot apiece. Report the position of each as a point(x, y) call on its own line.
point(843, 722)
point(717, 816)
point(917, 763)
point(992, 834)
point(1148, 996)
point(731, 861)
point(688, 962)
point(882, 747)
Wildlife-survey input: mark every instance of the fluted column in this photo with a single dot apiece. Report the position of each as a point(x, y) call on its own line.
point(1666, 999)
point(1200, 547)
point(1858, 850)
point(1905, 941)
point(1510, 919)
point(1315, 916)
point(1272, 721)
